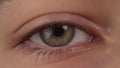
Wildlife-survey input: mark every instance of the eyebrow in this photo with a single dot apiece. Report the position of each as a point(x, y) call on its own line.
point(2, 1)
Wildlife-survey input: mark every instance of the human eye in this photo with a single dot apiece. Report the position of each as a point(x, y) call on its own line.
point(60, 34)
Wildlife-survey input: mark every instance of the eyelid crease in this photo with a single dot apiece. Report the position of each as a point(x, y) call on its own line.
point(84, 23)
point(45, 14)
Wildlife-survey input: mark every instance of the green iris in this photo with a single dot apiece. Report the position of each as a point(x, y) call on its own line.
point(57, 35)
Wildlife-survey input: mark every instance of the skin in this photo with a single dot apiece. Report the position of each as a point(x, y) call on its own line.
point(15, 13)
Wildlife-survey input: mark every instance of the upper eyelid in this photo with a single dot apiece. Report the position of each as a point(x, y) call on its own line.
point(35, 17)
point(39, 23)
point(27, 22)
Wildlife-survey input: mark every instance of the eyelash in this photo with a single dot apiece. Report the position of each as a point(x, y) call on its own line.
point(95, 38)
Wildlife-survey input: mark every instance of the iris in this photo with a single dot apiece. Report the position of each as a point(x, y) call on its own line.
point(57, 35)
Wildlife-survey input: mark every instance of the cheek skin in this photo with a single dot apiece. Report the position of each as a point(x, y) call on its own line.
point(87, 60)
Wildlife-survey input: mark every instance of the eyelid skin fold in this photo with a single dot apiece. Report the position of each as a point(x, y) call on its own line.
point(76, 20)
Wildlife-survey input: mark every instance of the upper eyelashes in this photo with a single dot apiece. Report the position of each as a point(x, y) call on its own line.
point(60, 18)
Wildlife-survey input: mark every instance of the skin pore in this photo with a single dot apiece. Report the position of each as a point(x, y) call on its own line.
point(18, 18)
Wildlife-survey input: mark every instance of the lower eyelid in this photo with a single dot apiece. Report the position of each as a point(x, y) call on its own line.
point(53, 55)
point(44, 46)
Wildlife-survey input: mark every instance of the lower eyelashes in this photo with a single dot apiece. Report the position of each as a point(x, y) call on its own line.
point(62, 34)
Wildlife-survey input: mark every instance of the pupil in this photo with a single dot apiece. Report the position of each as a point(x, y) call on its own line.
point(58, 30)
